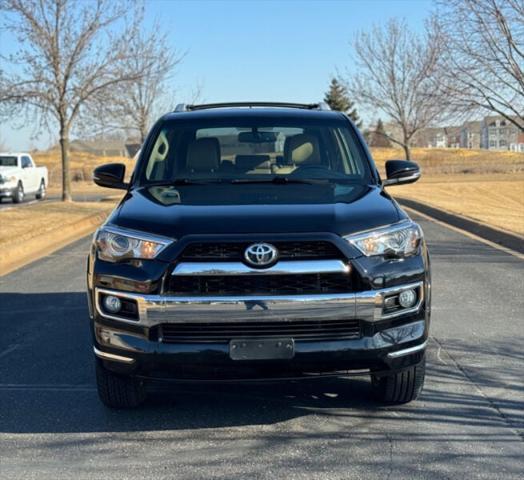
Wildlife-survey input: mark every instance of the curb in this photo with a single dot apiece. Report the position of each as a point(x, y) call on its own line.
point(505, 239)
point(39, 247)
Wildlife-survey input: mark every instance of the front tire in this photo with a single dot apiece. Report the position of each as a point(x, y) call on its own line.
point(118, 391)
point(40, 195)
point(18, 197)
point(400, 387)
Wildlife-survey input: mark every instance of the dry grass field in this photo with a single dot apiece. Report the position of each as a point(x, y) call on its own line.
point(497, 201)
point(435, 161)
point(82, 165)
point(84, 189)
point(43, 228)
point(43, 218)
point(479, 184)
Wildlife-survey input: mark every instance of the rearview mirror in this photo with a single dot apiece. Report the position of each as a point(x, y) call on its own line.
point(257, 137)
point(111, 175)
point(400, 172)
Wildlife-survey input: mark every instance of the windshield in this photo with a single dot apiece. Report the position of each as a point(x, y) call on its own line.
point(281, 154)
point(7, 161)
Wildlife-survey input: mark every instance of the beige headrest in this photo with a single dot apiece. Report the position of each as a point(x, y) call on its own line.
point(302, 148)
point(203, 155)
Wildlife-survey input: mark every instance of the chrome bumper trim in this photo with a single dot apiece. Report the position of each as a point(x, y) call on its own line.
point(408, 351)
point(112, 356)
point(282, 268)
point(156, 309)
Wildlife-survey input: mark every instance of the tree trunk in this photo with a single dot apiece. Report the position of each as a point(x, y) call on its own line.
point(66, 178)
point(143, 132)
point(407, 151)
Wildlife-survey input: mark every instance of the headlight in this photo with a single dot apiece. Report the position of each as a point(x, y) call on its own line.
point(398, 240)
point(115, 244)
point(7, 179)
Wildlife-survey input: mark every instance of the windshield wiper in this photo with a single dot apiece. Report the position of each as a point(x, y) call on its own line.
point(183, 181)
point(280, 181)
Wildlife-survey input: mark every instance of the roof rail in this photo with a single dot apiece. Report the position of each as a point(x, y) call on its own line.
point(307, 106)
point(323, 106)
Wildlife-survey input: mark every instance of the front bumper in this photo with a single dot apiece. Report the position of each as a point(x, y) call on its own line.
point(389, 341)
point(156, 309)
point(7, 192)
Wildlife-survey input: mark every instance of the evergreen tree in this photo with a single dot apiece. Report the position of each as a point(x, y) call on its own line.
point(378, 137)
point(338, 99)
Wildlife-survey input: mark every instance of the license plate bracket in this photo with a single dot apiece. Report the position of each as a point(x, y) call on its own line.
point(262, 349)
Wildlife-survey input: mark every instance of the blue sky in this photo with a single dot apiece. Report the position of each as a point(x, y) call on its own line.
point(257, 50)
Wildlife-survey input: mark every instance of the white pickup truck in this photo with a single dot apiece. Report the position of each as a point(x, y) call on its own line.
point(19, 176)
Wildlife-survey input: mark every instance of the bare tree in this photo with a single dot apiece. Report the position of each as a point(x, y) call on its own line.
point(3, 146)
point(197, 93)
point(483, 64)
point(134, 107)
point(71, 53)
point(396, 72)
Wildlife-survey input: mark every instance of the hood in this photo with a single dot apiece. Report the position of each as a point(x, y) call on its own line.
point(189, 210)
point(8, 170)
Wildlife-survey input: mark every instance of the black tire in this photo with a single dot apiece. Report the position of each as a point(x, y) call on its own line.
point(40, 195)
point(118, 391)
point(18, 197)
point(401, 387)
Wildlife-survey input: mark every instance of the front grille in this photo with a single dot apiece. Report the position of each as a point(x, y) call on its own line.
point(224, 332)
point(315, 283)
point(287, 251)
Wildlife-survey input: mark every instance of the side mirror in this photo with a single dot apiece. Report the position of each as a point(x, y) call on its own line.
point(111, 175)
point(401, 172)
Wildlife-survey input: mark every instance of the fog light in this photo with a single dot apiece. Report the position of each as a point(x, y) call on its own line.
point(112, 304)
point(407, 298)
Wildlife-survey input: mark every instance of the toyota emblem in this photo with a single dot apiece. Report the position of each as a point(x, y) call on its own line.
point(261, 254)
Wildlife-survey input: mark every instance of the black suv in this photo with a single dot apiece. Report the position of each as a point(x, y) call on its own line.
point(256, 241)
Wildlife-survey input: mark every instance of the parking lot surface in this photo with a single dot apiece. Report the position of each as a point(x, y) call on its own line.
point(468, 423)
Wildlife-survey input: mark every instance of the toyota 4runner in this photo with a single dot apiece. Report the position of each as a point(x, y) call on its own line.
point(256, 241)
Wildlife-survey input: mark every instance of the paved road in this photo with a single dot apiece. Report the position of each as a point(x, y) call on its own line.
point(469, 422)
point(30, 200)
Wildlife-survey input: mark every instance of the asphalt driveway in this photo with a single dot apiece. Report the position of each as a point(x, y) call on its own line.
point(469, 422)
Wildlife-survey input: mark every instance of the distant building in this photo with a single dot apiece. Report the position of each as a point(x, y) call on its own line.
point(497, 133)
point(439, 137)
point(101, 146)
point(470, 135)
point(425, 138)
point(434, 137)
point(494, 132)
point(393, 130)
point(519, 145)
point(452, 136)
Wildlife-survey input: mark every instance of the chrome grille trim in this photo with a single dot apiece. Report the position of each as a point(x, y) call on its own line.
point(281, 268)
point(261, 308)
